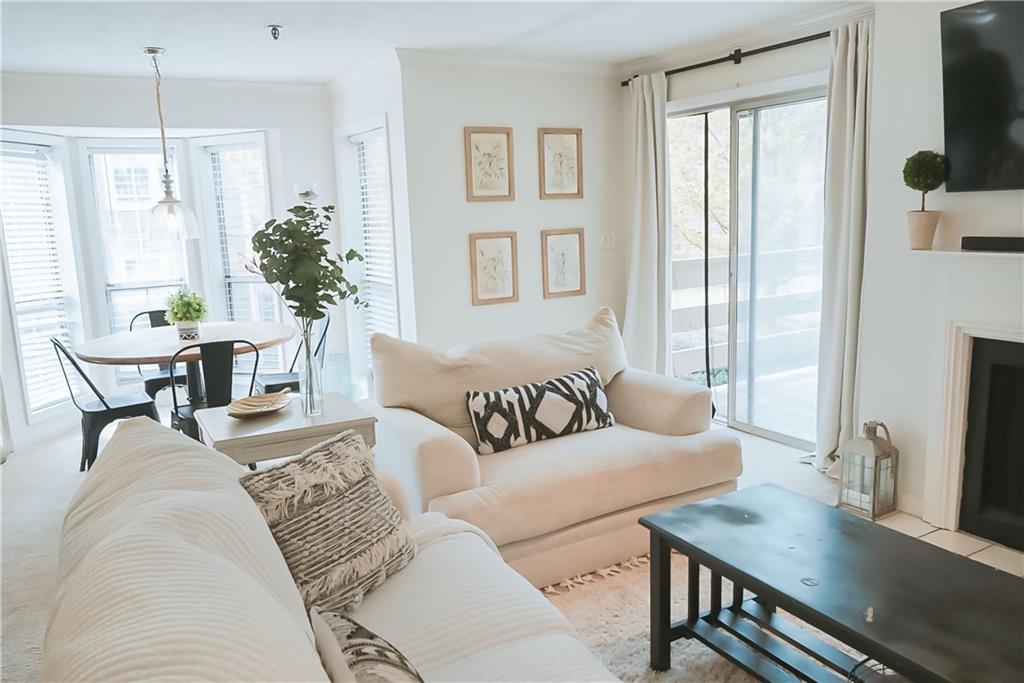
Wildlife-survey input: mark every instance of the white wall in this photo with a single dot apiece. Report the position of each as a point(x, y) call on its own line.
point(300, 148)
point(909, 299)
point(441, 95)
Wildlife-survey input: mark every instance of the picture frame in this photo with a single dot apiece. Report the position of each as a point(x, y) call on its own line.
point(560, 157)
point(490, 164)
point(563, 262)
point(494, 267)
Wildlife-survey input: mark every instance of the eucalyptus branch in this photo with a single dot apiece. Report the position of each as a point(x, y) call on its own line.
point(253, 267)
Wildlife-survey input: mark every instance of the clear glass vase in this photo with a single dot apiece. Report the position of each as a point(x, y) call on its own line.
point(311, 383)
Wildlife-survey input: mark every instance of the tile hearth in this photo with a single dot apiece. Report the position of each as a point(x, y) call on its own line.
point(979, 549)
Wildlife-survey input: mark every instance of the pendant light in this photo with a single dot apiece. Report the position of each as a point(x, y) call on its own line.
point(169, 214)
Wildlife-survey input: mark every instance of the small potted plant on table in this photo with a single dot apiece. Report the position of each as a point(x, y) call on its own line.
point(924, 172)
point(185, 309)
point(292, 254)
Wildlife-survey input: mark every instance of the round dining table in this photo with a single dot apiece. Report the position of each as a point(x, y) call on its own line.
point(156, 345)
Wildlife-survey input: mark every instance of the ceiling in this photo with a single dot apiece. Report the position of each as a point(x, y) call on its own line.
point(322, 41)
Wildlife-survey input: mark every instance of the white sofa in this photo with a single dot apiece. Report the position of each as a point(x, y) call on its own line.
point(168, 570)
point(559, 507)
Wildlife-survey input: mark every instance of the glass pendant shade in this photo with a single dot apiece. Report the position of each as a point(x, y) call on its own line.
point(171, 216)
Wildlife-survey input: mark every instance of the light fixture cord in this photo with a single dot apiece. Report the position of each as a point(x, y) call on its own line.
point(160, 112)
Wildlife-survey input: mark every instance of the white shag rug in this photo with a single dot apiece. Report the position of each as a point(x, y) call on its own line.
point(610, 610)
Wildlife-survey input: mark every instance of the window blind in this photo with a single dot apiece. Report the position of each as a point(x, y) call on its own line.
point(241, 207)
point(379, 286)
point(42, 303)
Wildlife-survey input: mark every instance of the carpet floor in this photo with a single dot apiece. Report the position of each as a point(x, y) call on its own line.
point(611, 611)
point(39, 478)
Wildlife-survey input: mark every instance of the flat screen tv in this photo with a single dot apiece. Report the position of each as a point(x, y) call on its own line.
point(983, 95)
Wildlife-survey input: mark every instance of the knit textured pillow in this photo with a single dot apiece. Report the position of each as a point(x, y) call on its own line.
point(520, 415)
point(338, 531)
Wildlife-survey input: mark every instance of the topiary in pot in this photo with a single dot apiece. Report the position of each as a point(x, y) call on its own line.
point(924, 172)
point(185, 309)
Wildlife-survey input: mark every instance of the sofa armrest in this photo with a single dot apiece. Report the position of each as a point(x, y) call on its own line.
point(655, 403)
point(428, 459)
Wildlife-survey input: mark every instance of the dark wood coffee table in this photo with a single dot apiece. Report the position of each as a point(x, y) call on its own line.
point(924, 612)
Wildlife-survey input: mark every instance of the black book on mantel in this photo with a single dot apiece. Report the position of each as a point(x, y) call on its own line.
point(982, 243)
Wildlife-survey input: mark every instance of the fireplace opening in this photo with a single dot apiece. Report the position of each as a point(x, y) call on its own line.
point(992, 498)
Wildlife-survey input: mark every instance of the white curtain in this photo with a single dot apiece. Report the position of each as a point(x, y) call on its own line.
point(843, 245)
point(648, 297)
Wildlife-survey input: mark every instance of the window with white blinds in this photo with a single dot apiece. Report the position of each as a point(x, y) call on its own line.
point(42, 302)
point(241, 206)
point(378, 245)
point(143, 265)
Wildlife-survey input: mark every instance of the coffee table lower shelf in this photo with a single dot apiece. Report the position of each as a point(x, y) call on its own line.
point(748, 632)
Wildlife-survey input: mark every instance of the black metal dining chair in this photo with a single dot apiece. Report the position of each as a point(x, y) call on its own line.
point(218, 369)
point(155, 380)
point(273, 382)
point(105, 409)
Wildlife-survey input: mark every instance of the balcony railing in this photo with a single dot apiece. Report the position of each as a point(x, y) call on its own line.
point(787, 309)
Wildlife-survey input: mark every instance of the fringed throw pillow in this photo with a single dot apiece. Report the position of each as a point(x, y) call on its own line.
point(517, 416)
point(352, 652)
point(338, 531)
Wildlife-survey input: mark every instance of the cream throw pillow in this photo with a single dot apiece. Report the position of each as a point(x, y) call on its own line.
point(336, 527)
point(434, 384)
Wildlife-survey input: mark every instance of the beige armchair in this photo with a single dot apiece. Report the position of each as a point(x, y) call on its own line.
point(559, 507)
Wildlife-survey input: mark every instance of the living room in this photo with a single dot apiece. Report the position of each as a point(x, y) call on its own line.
point(767, 253)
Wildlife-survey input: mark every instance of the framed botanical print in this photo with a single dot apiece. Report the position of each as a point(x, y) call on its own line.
point(561, 162)
point(490, 166)
point(563, 262)
point(494, 267)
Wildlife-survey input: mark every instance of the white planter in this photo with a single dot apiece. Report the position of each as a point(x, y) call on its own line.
point(188, 330)
point(922, 226)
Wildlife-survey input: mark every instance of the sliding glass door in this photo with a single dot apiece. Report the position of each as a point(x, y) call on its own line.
point(747, 187)
point(780, 171)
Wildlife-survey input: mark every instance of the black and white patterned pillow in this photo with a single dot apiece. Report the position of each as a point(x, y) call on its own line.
point(520, 415)
point(350, 651)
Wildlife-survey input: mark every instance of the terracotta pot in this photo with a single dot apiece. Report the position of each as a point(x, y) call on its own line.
point(922, 226)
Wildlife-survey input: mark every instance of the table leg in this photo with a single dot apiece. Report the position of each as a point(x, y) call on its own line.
point(194, 377)
point(661, 573)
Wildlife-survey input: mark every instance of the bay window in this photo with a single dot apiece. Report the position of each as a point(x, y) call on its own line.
point(126, 265)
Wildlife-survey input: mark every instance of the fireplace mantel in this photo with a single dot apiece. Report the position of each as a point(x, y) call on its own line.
point(944, 474)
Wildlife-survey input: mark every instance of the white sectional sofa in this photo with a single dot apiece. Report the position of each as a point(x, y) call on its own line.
point(168, 570)
point(563, 506)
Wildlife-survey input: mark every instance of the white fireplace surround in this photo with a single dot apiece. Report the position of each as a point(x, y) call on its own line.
point(944, 474)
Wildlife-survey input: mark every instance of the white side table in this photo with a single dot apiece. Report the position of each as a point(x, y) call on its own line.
point(286, 432)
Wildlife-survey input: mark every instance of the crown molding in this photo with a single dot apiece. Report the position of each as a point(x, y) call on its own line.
point(478, 60)
point(766, 34)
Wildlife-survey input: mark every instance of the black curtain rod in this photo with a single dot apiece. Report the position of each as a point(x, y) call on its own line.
point(737, 55)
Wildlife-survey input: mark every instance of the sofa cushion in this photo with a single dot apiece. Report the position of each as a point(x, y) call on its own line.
point(466, 615)
point(545, 486)
point(339, 532)
point(408, 375)
point(516, 416)
point(168, 571)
